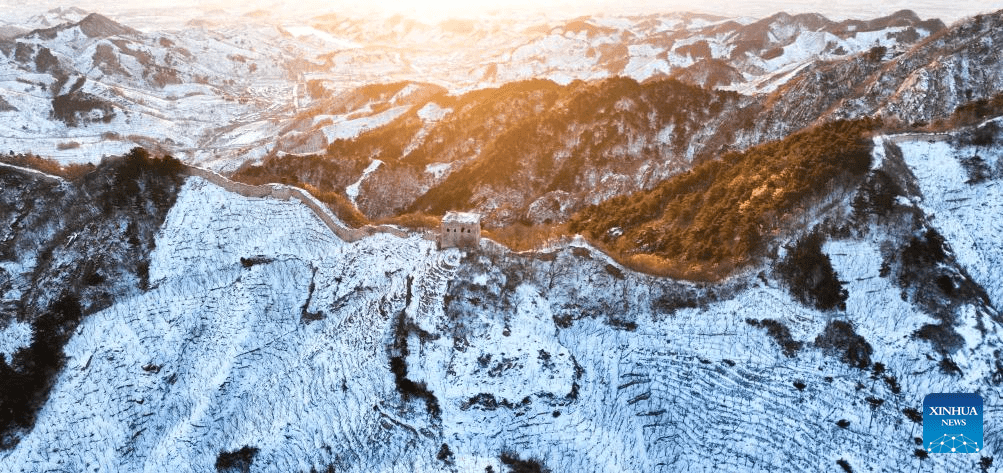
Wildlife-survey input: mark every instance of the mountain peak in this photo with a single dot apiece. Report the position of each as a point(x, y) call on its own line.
point(96, 25)
point(906, 14)
point(93, 25)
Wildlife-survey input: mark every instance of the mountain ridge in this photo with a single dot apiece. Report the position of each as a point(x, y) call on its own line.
point(486, 330)
point(670, 278)
point(160, 79)
point(94, 25)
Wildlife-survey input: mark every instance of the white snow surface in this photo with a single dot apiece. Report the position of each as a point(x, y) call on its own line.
point(329, 40)
point(15, 336)
point(218, 355)
point(968, 215)
point(353, 190)
point(439, 170)
point(236, 364)
point(432, 112)
point(348, 128)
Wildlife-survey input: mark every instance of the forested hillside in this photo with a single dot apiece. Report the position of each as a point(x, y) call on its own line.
point(722, 213)
point(532, 152)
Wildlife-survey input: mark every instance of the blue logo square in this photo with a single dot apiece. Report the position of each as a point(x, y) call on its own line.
point(952, 423)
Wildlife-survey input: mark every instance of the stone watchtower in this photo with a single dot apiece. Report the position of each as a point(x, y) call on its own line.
point(460, 230)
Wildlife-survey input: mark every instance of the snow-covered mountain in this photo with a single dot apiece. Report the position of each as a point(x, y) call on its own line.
point(262, 340)
point(221, 92)
point(925, 84)
point(537, 151)
point(738, 53)
point(526, 151)
point(826, 195)
point(78, 91)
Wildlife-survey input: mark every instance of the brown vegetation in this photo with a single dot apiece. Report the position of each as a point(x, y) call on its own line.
point(329, 173)
point(581, 127)
point(717, 216)
point(522, 237)
point(48, 166)
point(340, 205)
point(977, 111)
point(523, 139)
point(413, 221)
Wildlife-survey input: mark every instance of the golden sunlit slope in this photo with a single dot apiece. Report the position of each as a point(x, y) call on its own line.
point(530, 151)
point(719, 214)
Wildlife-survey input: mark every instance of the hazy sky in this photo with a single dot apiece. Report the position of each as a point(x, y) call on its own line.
point(949, 11)
point(946, 10)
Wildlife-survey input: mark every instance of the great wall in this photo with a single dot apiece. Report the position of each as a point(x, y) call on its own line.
point(286, 192)
point(33, 172)
point(274, 191)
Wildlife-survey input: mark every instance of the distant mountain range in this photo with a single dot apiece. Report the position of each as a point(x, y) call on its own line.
point(256, 78)
point(97, 87)
point(537, 151)
point(731, 245)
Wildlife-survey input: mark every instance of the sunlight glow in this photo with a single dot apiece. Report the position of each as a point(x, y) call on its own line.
point(432, 10)
point(438, 10)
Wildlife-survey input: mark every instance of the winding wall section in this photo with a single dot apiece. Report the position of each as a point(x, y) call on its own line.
point(286, 192)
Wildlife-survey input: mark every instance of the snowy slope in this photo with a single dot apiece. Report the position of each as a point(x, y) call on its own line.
point(968, 214)
point(219, 92)
point(559, 356)
point(196, 92)
point(224, 338)
point(475, 53)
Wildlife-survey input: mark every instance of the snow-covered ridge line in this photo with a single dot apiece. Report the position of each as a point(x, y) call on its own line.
point(286, 192)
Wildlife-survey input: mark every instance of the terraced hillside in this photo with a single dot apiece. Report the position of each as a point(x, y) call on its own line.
point(261, 329)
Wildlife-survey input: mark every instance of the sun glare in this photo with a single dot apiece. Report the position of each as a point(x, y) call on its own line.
point(441, 9)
